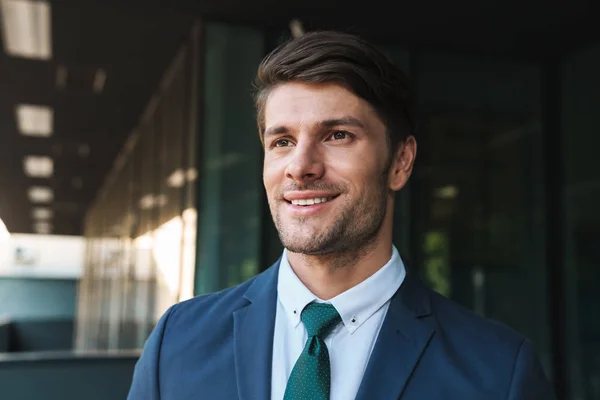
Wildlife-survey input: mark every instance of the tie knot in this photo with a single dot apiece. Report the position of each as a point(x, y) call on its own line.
point(320, 319)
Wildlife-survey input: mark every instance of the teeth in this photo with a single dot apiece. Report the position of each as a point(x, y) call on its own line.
point(310, 202)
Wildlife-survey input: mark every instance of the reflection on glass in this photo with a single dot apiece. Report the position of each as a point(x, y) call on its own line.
point(188, 262)
point(141, 230)
point(437, 262)
point(479, 192)
point(581, 124)
point(231, 174)
point(167, 256)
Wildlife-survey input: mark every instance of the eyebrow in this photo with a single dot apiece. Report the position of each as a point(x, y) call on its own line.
point(329, 123)
point(275, 130)
point(344, 121)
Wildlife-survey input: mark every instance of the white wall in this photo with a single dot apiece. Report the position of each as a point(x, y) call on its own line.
point(42, 256)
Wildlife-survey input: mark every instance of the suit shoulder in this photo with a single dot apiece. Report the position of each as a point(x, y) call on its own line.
point(452, 317)
point(204, 306)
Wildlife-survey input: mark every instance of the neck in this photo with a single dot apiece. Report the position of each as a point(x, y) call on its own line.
point(326, 276)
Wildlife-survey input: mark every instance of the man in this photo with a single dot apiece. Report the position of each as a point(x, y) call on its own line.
point(339, 316)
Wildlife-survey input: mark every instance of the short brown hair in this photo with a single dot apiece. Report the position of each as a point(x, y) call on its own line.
point(348, 60)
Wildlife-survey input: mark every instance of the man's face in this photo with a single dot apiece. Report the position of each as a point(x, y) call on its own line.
point(325, 168)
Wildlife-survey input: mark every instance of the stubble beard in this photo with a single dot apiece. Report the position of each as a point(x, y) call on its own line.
point(353, 232)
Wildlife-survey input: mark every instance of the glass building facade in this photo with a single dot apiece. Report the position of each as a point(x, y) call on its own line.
point(500, 215)
point(141, 231)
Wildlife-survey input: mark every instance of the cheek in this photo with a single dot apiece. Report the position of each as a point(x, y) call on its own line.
point(355, 167)
point(362, 178)
point(271, 176)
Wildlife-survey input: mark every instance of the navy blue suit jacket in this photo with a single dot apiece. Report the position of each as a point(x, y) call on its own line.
point(219, 347)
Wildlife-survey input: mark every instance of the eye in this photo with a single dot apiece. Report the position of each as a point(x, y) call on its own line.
point(339, 135)
point(281, 143)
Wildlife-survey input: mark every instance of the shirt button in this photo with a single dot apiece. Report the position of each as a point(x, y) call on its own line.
point(353, 320)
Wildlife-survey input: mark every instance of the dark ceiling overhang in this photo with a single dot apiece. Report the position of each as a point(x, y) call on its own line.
point(133, 47)
point(512, 28)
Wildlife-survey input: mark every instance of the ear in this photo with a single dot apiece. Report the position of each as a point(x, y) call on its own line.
point(402, 164)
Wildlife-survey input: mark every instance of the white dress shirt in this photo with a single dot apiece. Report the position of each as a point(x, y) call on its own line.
point(350, 344)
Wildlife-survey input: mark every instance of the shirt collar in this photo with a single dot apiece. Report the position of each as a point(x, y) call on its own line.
point(356, 305)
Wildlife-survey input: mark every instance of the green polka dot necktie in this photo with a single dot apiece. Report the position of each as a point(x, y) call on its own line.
point(311, 377)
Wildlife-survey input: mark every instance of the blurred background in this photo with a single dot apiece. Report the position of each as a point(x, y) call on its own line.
point(130, 171)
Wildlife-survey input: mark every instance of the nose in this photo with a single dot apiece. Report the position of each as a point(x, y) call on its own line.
point(306, 164)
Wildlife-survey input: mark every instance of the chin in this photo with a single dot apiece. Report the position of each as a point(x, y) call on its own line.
point(302, 233)
point(294, 242)
point(303, 248)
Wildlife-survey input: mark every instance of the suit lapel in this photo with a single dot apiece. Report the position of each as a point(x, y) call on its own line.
point(402, 340)
point(253, 337)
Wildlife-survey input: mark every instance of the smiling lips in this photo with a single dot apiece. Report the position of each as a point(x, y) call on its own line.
point(310, 202)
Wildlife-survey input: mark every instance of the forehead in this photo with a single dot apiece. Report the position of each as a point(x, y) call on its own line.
point(300, 103)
